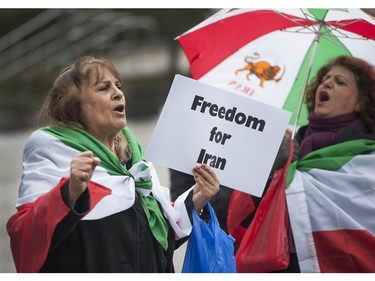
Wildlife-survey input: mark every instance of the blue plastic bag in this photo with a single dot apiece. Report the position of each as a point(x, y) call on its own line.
point(210, 249)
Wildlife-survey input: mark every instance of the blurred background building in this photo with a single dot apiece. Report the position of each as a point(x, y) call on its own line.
point(35, 44)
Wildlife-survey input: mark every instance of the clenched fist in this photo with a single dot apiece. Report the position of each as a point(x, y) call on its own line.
point(82, 167)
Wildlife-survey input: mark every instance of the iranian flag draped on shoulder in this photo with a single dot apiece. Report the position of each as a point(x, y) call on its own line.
point(331, 203)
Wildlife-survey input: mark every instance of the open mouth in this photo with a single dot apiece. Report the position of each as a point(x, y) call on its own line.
point(120, 108)
point(323, 96)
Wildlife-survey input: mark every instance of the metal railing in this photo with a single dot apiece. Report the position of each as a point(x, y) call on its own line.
point(56, 36)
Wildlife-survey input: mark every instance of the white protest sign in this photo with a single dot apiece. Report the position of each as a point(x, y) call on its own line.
point(235, 135)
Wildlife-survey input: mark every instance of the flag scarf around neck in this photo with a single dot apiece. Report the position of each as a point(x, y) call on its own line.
point(40, 206)
point(82, 141)
point(331, 205)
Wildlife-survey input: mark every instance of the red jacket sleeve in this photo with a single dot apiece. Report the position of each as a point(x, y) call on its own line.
point(32, 227)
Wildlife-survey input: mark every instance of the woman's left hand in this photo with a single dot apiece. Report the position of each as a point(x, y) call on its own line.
point(206, 187)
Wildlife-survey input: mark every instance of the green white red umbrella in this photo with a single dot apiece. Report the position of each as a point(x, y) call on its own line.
point(271, 54)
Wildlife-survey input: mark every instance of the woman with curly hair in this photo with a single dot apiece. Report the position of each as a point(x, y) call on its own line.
point(330, 184)
point(330, 189)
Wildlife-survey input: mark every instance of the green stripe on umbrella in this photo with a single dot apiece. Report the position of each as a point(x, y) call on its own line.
point(272, 54)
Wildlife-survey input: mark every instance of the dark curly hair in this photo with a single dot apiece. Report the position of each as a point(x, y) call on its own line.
point(364, 74)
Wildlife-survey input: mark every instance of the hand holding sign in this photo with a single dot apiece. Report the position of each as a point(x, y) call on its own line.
point(207, 186)
point(238, 137)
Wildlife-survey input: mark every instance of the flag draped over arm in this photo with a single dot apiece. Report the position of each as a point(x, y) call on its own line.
point(40, 204)
point(331, 204)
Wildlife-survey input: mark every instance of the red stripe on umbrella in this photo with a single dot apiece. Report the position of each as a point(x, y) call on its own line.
point(230, 37)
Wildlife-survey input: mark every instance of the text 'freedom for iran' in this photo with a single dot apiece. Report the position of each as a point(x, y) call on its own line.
point(230, 115)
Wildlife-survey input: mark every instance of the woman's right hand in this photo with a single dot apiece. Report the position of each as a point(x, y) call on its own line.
point(82, 167)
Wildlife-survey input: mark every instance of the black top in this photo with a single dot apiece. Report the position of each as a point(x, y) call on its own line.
point(120, 243)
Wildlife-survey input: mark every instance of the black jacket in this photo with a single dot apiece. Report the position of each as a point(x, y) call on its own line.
point(119, 243)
